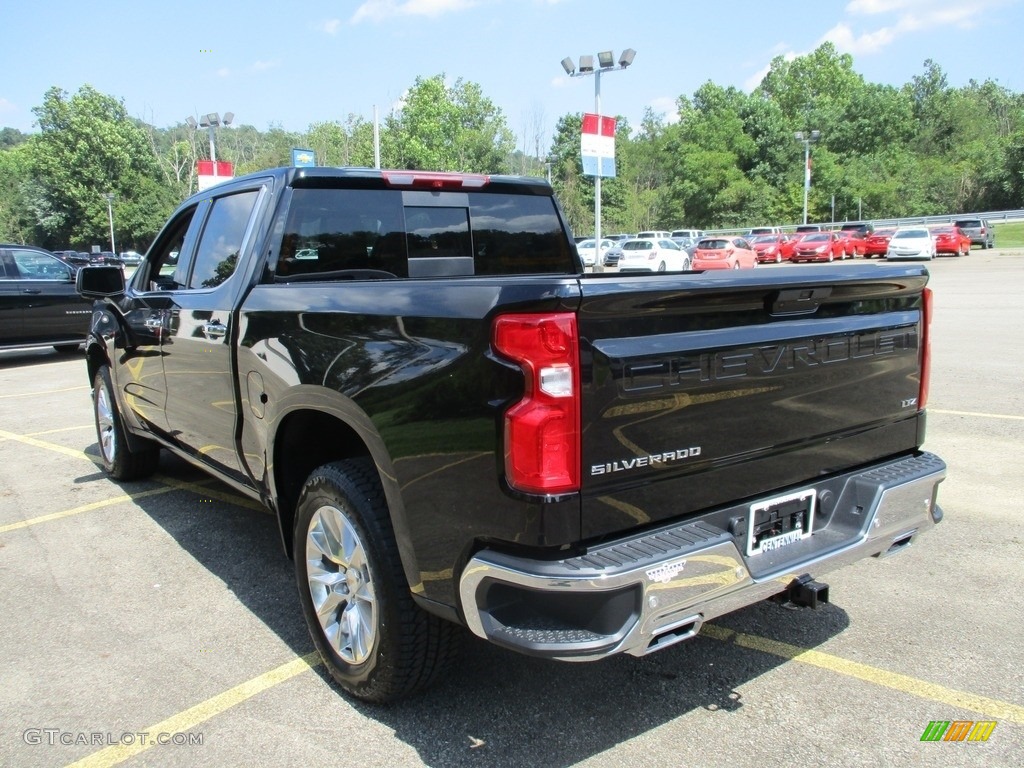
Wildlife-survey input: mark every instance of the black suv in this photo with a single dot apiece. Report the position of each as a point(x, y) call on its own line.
point(979, 231)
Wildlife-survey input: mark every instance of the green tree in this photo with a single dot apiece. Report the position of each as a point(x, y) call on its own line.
point(447, 128)
point(342, 144)
point(17, 190)
point(88, 146)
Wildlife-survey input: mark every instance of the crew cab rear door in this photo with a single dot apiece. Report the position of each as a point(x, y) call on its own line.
point(196, 347)
point(702, 389)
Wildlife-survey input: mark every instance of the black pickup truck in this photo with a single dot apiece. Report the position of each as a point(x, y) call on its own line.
point(455, 425)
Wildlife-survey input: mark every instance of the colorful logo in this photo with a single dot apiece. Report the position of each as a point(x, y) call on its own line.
point(958, 730)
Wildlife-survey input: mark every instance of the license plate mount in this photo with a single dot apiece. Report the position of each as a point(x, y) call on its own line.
point(780, 521)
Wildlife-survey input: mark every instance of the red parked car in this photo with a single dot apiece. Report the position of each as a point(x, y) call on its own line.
point(877, 244)
point(951, 239)
point(819, 246)
point(724, 253)
point(776, 248)
point(854, 243)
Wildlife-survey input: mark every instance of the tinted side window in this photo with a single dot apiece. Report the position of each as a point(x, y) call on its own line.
point(34, 265)
point(221, 241)
point(518, 234)
point(338, 230)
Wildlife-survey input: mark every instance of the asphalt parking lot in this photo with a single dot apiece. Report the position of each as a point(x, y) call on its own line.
point(156, 623)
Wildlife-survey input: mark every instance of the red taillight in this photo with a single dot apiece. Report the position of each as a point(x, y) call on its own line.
point(926, 348)
point(542, 431)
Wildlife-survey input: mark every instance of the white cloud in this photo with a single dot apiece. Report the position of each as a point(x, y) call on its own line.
point(380, 10)
point(874, 7)
point(263, 66)
point(665, 105)
point(224, 72)
point(331, 26)
point(7, 107)
point(846, 41)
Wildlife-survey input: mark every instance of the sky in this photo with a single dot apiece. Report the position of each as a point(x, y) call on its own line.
point(293, 64)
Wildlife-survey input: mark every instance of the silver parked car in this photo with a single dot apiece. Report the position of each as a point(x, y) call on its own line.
point(979, 230)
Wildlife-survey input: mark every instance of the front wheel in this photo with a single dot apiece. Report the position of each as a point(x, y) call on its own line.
point(376, 642)
point(121, 460)
point(661, 267)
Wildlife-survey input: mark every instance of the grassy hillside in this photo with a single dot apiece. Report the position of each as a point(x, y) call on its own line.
point(1010, 234)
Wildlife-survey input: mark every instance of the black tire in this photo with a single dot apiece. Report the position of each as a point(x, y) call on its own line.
point(661, 267)
point(121, 460)
point(392, 647)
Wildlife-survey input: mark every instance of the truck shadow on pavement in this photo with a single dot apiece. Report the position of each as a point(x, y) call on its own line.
point(496, 707)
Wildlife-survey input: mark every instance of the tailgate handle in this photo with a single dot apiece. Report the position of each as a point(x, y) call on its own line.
point(798, 301)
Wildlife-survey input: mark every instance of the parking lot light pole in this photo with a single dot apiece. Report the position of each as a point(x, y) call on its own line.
point(605, 63)
point(110, 216)
point(807, 139)
point(210, 122)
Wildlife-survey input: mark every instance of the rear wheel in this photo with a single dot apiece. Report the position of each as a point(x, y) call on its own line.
point(376, 642)
point(121, 459)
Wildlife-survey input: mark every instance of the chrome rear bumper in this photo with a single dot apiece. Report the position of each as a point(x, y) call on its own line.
point(646, 592)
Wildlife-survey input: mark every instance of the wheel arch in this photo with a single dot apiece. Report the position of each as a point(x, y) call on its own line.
point(334, 429)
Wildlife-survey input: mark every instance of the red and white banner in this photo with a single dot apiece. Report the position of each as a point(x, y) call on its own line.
point(209, 173)
point(597, 145)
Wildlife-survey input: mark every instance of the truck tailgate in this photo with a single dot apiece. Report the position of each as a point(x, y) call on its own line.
point(700, 390)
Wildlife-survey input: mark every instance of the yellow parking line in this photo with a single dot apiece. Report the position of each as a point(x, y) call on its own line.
point(85, 508)
point(210, 493)
point(200, 713)
point(977, 415)
point(25, 440)
point(197, 488)
point(62, 429)
point(45, 392)
point(991, 708)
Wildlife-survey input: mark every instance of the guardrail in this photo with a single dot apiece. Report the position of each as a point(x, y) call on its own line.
point(993, 217)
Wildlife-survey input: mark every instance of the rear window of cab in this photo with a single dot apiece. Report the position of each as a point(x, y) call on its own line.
point(379, 234)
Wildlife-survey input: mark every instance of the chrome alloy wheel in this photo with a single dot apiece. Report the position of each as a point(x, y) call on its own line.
point(341, 585)
point(105, 428)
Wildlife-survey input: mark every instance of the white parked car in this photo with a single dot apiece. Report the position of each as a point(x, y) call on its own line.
point(653, 255)
point(911, 243)
point(588, 254)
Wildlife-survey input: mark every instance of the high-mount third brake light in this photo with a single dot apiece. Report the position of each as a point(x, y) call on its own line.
point(435, 180)
point(542, 431)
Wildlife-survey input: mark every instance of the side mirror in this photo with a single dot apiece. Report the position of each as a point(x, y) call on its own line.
point(100, 282)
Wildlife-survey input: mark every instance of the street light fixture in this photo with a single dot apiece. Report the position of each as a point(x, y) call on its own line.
point(807, 139)
point(110, 216)
point(605, 63)
point(210, 122)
